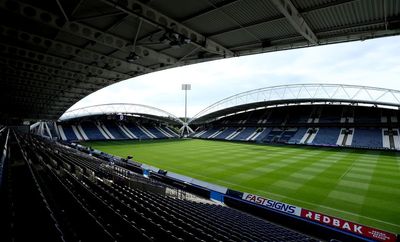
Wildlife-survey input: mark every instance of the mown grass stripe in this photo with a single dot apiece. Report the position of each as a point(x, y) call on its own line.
point(357, 185)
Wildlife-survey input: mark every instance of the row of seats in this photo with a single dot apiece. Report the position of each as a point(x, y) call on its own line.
point(330, 136)
point(364, 137)
point(3, 150)
point(328, 114)
point(89, 130)
point(90, 203)
point(24, 209)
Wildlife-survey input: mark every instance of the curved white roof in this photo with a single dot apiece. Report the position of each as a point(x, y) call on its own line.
point(119, 108)
point(306, 93)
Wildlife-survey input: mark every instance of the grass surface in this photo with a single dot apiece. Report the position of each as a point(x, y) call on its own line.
point(359, 185)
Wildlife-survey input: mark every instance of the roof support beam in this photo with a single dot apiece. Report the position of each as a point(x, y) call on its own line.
point(57, 46)
point(97, 16)
point(28, 111)
point(41, 106)
point(45, 78)
point(155, 18)
point(89, 33)
point(31, 111)
point(35, 96)
point(277, 18)
point(108, 29)
point(62, 63)
point(53, 93)
point(53, 73)
point(43, 91)
point(292, 43)
point(53, 87)
point(335, 3)
point(83, 88)
point(62, 10)
point(215, 7)
point(291, 13)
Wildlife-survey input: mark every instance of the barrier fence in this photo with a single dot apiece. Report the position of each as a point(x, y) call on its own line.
point(337, 223)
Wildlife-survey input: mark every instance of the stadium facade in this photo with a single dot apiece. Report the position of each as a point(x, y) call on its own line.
point(309, 114)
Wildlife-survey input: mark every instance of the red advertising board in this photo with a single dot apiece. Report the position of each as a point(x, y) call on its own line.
point(341, 224)
point(348, 226)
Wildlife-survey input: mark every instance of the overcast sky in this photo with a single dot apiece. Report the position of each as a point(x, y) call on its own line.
point(370, 63)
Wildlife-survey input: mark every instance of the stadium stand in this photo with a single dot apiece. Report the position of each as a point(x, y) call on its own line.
point(100, 129)
point(367, 137)
point(115, 131)
point(146, 131)
point(139, 133)
point(276, 117)
point(245, 133)
point(330, 115)
point(296, 117)
point(287, 135)
point(69, 132)
point(236, 132)
point(169, 131)
point(157, 132)
point(92, 131)
point(260, 134)
point(208, 132)
point(225, 133)
point(296, 138)
point(76, 197)
point(326, 136)
point(273, 136)
point(4, 134)
point(322, 125)
point(370, 116)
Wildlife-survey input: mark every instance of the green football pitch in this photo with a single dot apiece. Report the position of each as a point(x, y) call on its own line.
point(358, 185)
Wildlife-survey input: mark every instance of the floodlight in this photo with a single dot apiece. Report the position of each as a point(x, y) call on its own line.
point(132, 57)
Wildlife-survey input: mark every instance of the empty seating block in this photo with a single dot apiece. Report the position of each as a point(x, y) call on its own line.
point(245, 133)
point(367, 137)
point(92, 132)
point(115, 130)
point(326, 136)
point(156, 132)
point(69, 132)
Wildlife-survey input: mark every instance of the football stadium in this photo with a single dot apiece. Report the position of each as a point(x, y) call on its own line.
point(287, 162)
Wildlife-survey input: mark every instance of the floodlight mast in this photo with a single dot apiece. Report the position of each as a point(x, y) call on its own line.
point(186, 87)
point(185, 127)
